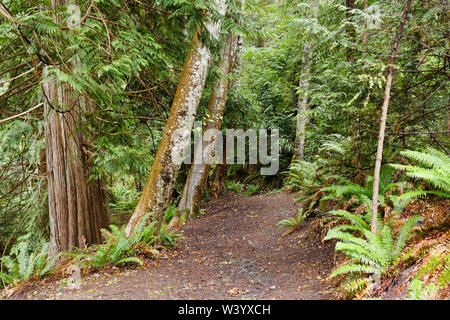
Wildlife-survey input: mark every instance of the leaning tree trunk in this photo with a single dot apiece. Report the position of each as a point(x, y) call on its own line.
point(77, 210)
point(160, 182)
point(384, 112)
point(195, 184)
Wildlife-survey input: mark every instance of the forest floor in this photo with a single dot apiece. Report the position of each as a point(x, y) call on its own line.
point(234, 251)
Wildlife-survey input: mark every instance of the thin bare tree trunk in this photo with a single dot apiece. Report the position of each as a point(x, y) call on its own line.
point(164, 170)
point(384, 112)
point(365, 34)
point(195, 184)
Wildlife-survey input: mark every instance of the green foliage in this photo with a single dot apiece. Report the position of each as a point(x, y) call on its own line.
point(369, 253)
point(293, 223)
point(252, 189)
point(127, 60)
point(118, 248)
point(313, 179)
point(434, 168)
point(170, 212)
point(401, 201)
point(334, 154)
point(417, 291)
point(363, 194)
point(354, 284)
point(234, 186)
point(23, 264)
point(168, 238)
point(22, 208)
point(123, 198)
point(439, 264)
point(301, 174)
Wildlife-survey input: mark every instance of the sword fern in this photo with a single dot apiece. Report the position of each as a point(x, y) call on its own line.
point(369, 253)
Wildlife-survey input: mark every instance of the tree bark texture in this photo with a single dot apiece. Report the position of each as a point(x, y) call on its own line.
point(195, 184)
point(302, 117)
point(160, 183)
point(77, 210)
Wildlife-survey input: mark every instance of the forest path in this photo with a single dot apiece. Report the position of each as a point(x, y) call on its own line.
point(235, 251)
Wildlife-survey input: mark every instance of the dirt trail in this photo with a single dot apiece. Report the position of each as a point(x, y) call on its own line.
point(235, 251)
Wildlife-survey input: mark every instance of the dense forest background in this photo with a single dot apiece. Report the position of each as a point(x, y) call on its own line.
point(91, 89)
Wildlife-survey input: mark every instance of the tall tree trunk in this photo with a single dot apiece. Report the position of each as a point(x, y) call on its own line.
point(302, 117)
point(77, 210)
point(219, 176)
point(384, 112)
point(302, 102)
point(365, 35)
point(350, 4)
point(195, 184)
point(237, 52)
point(160, 182)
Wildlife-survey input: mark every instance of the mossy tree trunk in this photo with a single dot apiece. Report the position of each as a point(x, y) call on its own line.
point(160, 182)
point(195, 184)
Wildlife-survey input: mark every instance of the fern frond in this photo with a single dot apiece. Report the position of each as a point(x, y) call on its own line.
point(404, 234)
point(435, 167)
point(130, 259)
point(353, 268)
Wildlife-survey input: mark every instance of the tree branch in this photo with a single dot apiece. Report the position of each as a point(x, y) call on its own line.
point(22, 114)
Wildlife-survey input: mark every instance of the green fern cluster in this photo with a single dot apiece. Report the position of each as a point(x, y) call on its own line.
point(295, 222)
point(118, 248)
point(345, 189)
point(123, 198)
point(417, 290)
point(369, 253)
point(22, 264)
point(252, 189)
point(434, 168)
point(300, 174)
point(169, 213)
point(302, 177)
point(169, 238)
point(234, 186)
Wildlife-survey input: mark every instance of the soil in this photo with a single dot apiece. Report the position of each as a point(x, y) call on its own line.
point(234, 251)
